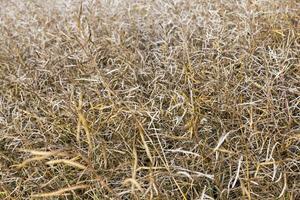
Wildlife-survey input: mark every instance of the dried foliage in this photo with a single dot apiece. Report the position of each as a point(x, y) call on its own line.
point(141, 99)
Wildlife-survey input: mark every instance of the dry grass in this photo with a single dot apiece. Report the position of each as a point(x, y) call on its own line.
point(156, 99)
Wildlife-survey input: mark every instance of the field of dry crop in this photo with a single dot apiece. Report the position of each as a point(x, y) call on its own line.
point(150, 99)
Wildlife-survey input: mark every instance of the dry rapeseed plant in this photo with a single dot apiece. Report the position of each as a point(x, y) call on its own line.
point(155, 99)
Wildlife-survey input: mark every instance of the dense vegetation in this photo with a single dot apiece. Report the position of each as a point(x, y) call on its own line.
point(155, 99)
